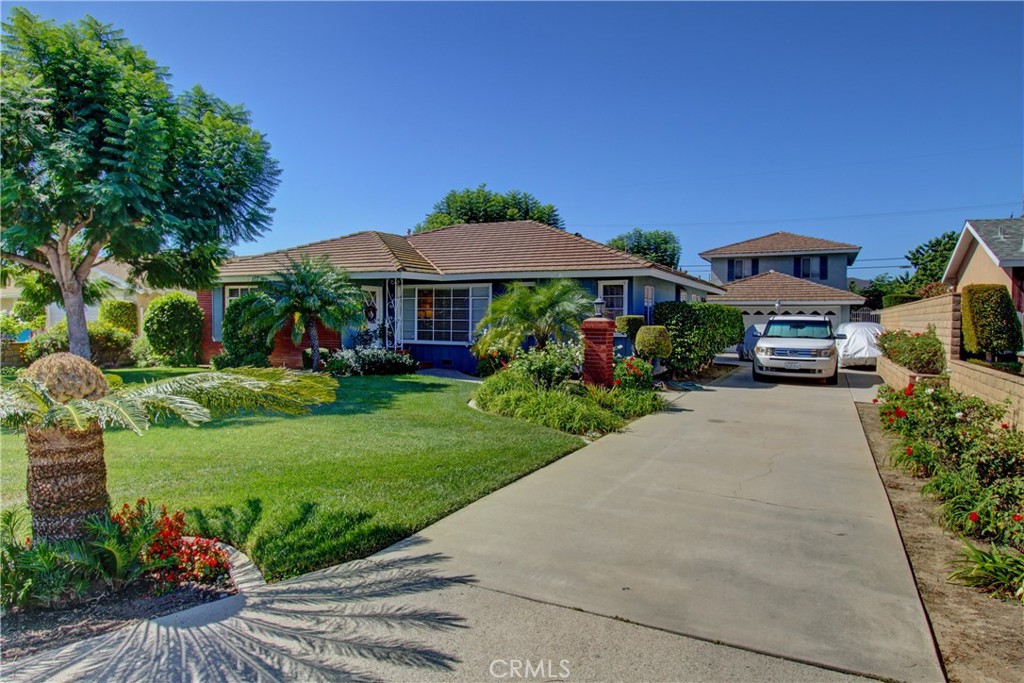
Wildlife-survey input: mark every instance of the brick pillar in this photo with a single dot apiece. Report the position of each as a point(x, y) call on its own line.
point(599, 351)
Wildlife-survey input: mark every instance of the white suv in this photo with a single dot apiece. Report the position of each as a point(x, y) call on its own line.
point(797, 346)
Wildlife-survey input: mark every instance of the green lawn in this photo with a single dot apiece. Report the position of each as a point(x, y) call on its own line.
point(390, 456)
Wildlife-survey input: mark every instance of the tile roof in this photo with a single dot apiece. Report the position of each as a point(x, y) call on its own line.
point(507, 247)
point(775, 286)
point(779, 243)
point(1003, 237)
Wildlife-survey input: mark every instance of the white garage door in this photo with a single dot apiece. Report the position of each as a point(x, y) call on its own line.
point(759, 316)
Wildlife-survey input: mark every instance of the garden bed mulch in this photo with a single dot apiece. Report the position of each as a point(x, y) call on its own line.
point(980, 638)
point(24, 633)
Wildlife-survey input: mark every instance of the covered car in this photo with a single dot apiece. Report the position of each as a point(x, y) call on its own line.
point(861, 344)
point(745, 349)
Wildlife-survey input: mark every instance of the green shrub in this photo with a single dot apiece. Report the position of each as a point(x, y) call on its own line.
point(932, 289)
point(633, 373)
point(142, 353)
point(120, 314)
point(307, 357)
point(653, 341)
point(552, 365)
point(628, 404)
point(113, 381)
point(174, 326)
point(990, 323)
point(890, 300)
point(698, 332)
point(369, 360)
point(920, 352)
point(999, 571)
point(245, 336)
point(109, 345)
point(629, 325)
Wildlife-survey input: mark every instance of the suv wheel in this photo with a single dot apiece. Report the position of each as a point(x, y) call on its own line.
point(834, 379)
point(755, 375)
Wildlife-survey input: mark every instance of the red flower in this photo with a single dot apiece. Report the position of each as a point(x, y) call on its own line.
point(1018, 517)
point(891, 420)
point(909, 391)
point(917, 334)
point(974, 517)
point(617, 382)
point(910, 451)
point(900, 412)
point(874, 400)
point(1005, 426)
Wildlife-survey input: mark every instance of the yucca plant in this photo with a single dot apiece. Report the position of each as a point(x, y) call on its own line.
point(999, 571)
point(552, 310)
point(62, 404)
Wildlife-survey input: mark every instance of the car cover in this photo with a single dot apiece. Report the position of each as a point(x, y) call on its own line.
point(861, 344)
point(745, 349)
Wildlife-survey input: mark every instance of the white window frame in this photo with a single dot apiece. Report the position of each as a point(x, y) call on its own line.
point(415, 319)
point(228, 298)
point(601, 284)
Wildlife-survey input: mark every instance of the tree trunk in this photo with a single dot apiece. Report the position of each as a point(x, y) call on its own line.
point(67, 481)
point(78, 332)
point(314, 344)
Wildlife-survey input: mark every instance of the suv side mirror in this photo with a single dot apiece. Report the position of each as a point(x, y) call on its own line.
point(840, 336)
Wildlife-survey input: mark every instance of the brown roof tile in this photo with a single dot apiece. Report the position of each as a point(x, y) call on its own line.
point(779, 243)
point(775, 286)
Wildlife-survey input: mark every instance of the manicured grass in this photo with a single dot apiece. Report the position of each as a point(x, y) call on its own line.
point(390, 456)
point(135, 375)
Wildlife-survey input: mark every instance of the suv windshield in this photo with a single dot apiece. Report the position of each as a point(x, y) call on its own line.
point(798, 329)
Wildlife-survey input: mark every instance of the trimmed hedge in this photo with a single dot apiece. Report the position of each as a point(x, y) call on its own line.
point(629, 325)
point(108, 344)
point(174, 327)
point(990, 323)
point(890, 300)
point(120, 314)
point(653, 341)
point(245, 341)
point(698, 332)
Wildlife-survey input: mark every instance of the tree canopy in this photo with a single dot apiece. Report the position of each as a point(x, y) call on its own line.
point(931, 258)
point(481, 205)
point(102, 161)
point(660, 246)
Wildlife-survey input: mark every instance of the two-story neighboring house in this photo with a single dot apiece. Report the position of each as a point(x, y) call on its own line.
point(785, 273)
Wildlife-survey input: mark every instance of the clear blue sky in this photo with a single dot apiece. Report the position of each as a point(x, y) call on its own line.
point(718, 121)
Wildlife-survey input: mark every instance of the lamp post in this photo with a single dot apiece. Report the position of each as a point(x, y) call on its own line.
point(599, 307)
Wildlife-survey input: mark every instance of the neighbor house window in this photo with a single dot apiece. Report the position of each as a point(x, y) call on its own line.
point(443, 314)
point(232, 293)
point(805, 267)
point(614, 294)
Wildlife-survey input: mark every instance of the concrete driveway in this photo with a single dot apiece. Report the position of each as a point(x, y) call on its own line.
point(744, 536)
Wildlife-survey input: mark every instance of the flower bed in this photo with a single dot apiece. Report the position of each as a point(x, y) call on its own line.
point(974, 462)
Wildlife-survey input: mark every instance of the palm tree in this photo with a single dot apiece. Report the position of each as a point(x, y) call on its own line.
point(305, 293)
point(549, 311)
point(62, 403)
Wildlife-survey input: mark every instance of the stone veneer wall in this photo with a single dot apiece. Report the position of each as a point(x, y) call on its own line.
point(943, 312)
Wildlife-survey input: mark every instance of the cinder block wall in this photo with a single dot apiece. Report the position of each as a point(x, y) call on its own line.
point(991, 385)
point(941, 311)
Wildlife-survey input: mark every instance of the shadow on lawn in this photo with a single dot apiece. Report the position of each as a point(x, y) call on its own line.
point(350, 622)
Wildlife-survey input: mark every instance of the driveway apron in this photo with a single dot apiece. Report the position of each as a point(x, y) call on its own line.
point(750, 515)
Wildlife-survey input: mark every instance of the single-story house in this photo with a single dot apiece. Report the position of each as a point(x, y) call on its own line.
point(426, 292)
point(989, 252)
point(770, 293)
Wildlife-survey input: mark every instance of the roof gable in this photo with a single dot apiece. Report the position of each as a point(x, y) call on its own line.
point(775, 286)
point(1002, 240)
point(782, 243)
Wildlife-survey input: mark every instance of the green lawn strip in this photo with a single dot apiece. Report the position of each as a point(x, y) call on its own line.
point(136, 375)
point(391, 456)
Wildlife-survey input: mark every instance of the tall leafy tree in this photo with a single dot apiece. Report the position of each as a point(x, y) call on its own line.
point(304, 294)
point(931, 258)
point(552, 310)
point(660, 246)
point(481, 205)
point(101, 161)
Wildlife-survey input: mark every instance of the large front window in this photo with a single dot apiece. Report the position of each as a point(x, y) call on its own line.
point(447, 314)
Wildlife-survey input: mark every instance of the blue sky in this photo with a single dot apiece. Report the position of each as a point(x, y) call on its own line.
point(720, 121)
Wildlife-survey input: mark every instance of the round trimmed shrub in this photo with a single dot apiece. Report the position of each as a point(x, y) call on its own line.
point(653, 341)
point(990, 323)
point(108, 344)
point(629, 325)
point(174, 327)
point(245, 338)
point(120, 314)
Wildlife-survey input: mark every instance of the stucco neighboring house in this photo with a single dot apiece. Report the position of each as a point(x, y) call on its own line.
point(989, 252)
point(121, 286)
point(425, 293)
point(799, 273)
point(760, 296)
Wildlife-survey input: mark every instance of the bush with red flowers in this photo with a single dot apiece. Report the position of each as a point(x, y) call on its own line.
point(633, 373)
point(920, 353)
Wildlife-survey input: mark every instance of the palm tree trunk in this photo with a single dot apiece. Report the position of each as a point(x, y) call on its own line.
point(314, 344)
point(62, 460)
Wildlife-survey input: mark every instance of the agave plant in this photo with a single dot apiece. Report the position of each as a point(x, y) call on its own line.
point(62, 404)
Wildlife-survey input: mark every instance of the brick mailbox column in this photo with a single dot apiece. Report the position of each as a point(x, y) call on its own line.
point(598, 351)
